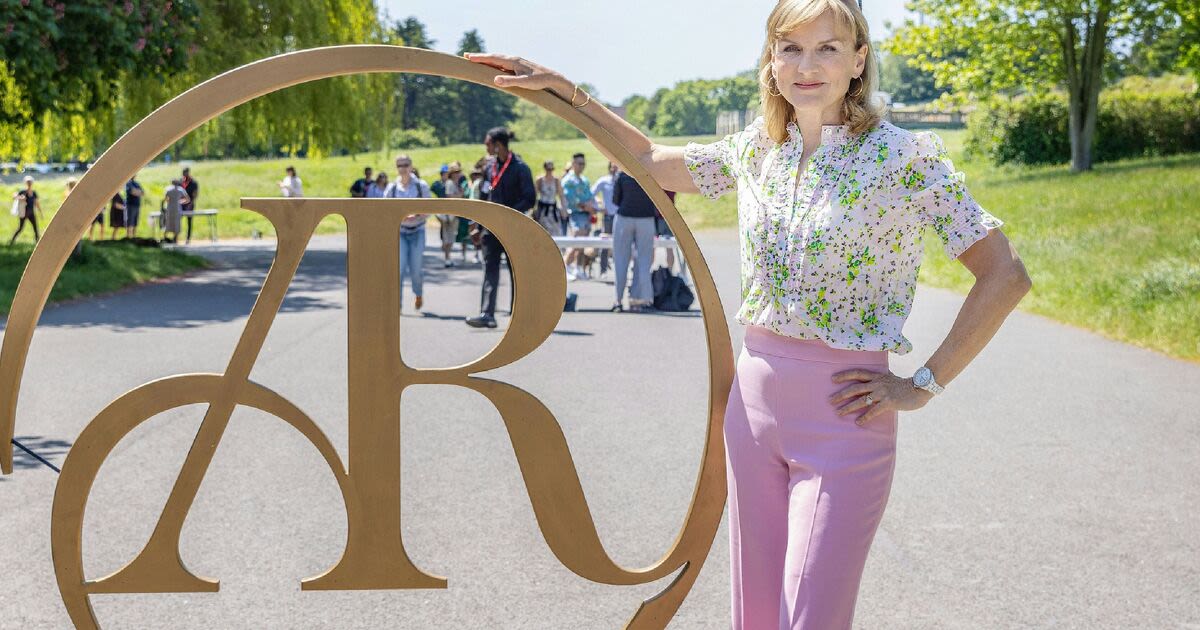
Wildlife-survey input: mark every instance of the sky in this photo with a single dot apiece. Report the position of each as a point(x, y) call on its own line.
point(621, 47)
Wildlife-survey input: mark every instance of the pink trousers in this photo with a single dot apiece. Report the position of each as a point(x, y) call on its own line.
point(807, 488)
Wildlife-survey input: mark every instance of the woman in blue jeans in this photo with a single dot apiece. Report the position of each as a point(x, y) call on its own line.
point(633, 228)
point(412, 229)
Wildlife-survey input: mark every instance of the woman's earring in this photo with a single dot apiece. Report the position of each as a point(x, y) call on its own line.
point(776, 92)
point(860, 88)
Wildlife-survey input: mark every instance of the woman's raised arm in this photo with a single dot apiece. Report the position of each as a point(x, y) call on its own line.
point(664, 163)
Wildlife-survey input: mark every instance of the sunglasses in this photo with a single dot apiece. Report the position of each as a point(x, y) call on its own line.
point(405, 165)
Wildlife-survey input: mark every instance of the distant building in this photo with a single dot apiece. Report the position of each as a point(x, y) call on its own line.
point(733, 121)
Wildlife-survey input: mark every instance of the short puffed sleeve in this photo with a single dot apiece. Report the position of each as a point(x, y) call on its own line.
point(930, 186)
point(714, 166)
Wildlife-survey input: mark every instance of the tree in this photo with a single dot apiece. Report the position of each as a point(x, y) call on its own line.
point(69, 57)
point(453, 111)
point(1158, 50)
point(906, 82)
point(1028, 45)
point(534, 123)
point(415, 89)
point(642, 112)
point(480, 107)
point(1189, 17)
point(691, 107)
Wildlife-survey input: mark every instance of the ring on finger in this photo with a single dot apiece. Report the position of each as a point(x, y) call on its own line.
point(868, 400)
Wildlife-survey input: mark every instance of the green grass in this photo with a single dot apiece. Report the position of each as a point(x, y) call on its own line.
point(100, 268)
point(1116, 250)
point(224, 183)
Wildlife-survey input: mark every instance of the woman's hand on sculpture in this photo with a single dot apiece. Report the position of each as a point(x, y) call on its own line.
point(877, 393)
point(525, 74)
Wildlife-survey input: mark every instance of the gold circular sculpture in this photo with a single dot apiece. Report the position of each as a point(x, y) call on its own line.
point(374, 556)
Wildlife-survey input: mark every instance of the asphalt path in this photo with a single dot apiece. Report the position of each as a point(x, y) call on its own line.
point(1056, 484)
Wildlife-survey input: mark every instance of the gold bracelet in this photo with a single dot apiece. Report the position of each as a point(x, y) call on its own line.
point(576, 93)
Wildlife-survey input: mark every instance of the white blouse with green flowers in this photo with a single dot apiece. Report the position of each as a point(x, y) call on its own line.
point(833, 253)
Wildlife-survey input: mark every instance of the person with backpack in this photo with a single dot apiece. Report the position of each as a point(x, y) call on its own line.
point(360, 187)
point(131, 215)
point(412, 228)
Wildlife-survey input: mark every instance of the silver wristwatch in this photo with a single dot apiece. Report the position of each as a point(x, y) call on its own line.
point(923, 379)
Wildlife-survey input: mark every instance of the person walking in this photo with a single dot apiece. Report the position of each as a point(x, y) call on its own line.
point(192, 188)
point(133, 210)
point(551, 203)
point(581, 204)
point(832, 205)
point(377, 187)
point(448, 187)
point(412, 229)
point(362, 185)
point(633, 229)
point(507, 181)
point(291, 186)
point(27, 207)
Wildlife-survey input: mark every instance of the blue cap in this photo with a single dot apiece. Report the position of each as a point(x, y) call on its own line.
point(445, 169)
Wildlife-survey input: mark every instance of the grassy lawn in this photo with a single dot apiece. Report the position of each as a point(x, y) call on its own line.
point(1116, 250)
point(224, 183)
point(99, 269)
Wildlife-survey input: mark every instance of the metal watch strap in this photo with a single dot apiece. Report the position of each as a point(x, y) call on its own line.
point(932, 386)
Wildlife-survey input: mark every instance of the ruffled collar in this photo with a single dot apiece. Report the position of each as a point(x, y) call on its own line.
point(831, 135)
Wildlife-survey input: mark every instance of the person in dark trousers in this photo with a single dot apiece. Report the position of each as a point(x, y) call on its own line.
point(133, 207)
point(192, 188)
point(360, 186)
point(28, 206)
point(507, 181)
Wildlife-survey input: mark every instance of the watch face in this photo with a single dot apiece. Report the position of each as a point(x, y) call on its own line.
point(922, 377)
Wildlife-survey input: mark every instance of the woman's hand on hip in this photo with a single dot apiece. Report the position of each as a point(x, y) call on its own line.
point(525, 74)
point(876, 393)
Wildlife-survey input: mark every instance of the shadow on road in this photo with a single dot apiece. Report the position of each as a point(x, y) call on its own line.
point(53, 450)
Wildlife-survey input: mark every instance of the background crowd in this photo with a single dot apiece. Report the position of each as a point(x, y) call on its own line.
point(614, 207)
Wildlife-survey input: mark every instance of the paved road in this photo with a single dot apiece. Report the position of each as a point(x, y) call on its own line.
point(1055, 485)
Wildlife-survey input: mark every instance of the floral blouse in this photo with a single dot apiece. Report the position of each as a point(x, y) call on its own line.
point(833, 253)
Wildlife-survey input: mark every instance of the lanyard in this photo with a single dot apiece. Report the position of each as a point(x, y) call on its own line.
point(496, 179)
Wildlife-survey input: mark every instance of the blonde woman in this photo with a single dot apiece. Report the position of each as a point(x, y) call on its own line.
point(832, 203)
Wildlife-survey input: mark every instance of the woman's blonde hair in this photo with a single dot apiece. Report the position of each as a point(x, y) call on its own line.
point(859, 107)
